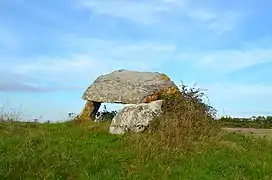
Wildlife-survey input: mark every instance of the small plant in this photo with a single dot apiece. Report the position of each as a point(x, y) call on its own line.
point(11, 115)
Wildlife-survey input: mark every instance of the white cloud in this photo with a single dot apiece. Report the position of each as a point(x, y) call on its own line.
point(139, 12)
point(103, 54)
point(224, 22)
point(100, 57)
point(167, 12)
point(74, 63)
point(14, 82)
point(240, 99)
point(225, 61)
point(233, 90)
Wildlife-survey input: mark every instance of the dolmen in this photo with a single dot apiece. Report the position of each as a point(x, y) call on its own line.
point(140, 91)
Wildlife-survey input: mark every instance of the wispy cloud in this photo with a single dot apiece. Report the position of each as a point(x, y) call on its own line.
point(145, 13)
point(234, 90)
point(56, 65)
point(102, 54)
point(244, 99)
point(229, 60)
point(32, 88)
point(13, 82)
point(100, 57)
point(161, 11)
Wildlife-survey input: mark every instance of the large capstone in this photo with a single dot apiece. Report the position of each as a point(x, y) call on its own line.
point(129, 87)
point(135, 118)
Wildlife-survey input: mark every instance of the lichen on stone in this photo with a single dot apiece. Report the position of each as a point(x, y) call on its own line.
point(165, 77)
point(85, 114)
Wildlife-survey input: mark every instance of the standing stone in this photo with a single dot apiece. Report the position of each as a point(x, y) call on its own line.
point(135, 118)
point(89, 111)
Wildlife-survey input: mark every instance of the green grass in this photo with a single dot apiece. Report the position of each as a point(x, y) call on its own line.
point(70, 151)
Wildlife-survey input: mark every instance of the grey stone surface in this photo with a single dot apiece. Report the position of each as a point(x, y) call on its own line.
point(126, 87)
point(135, 118)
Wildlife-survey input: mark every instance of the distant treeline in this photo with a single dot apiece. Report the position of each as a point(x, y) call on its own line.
point(253, 122)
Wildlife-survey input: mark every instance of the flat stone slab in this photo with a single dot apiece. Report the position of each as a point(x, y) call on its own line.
point(128, 87)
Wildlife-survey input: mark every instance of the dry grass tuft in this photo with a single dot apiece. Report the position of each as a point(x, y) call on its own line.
point(187, 121)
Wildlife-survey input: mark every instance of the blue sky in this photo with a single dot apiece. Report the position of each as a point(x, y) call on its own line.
point(50, 51)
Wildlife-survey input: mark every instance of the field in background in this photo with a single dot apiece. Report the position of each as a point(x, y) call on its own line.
point(252, 131)
point(258, 122)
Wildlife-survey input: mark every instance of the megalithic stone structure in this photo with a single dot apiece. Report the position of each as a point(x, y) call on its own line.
point(126, 87)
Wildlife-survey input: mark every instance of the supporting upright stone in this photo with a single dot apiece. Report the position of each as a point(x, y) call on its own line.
point(136, 117)
point(89, 111)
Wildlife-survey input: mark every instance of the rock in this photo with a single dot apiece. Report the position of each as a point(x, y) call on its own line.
point(89, 111)
point(136, 117)
point(129, 87)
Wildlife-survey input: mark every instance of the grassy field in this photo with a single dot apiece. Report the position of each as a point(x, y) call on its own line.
point(265, 133)
point(70, 151)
